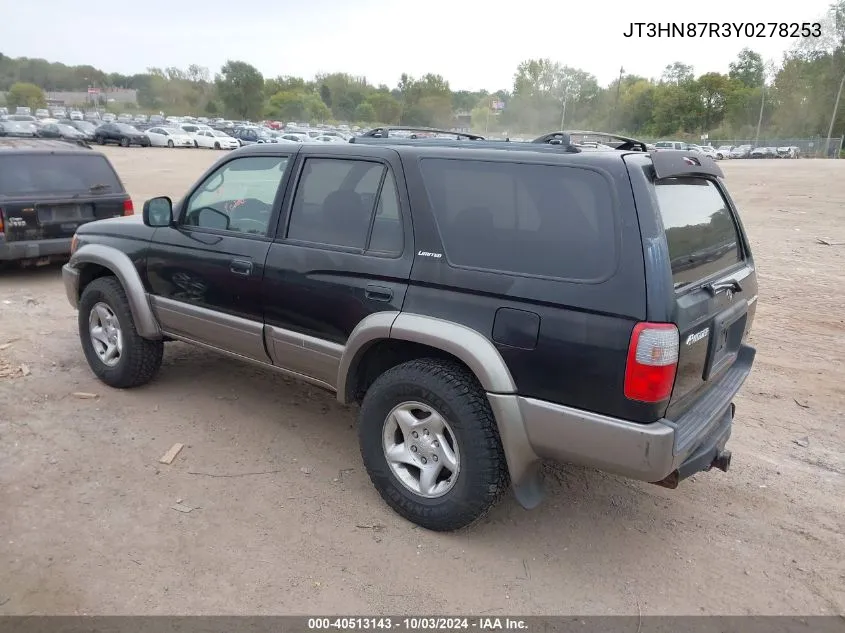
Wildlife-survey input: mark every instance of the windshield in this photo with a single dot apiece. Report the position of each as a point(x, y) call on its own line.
point(57, 173)
point(172, 130)
point(84, 125)
point(68, 129)
point(129, 129)
point(218, 133)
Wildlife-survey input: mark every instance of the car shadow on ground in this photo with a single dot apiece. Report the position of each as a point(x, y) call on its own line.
point(299, 414)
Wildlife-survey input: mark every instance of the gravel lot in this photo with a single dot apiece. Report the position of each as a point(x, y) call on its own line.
point(87, 524)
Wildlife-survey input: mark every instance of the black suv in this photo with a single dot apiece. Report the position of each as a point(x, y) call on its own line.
point(122, 134)
point(489, 304)
point(48, 188)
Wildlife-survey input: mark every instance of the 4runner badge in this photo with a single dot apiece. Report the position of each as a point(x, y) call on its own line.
point(695, 338)
point(427, 254)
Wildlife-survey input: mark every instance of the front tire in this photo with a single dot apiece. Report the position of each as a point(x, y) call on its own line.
point(170, 144)
point(216, 145)
point(117, 355)
point(124, 142)
point(430, 444)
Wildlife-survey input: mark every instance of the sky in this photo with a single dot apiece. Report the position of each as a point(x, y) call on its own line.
point(474, 44)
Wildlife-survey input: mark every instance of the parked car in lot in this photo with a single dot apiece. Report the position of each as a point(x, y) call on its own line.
point(724, 151)
point(58, 113)
point(61, 130)
point(76, 115)
point(465, 321)
point(790, 151)
point(763, 152)
point(741, 151)
point(108, 117)
point(42, 113)
point(49, 189)
point(707, 150)
point(169, 137)
point(215, 139)
point(121, 133)
point(678, 145)
point(86, 127)
point(18, 128)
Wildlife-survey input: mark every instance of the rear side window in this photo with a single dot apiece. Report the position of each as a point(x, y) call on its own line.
point(700, 229)
point(57, 173)
point(542, 220)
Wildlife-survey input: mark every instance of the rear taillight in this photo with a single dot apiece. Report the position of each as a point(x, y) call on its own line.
point(128, 207)
point(1, 221)
point(652, 362)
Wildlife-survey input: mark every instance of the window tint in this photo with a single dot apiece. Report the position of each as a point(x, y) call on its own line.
point(334, 202)
point(387, 236)
point(700, 228)
point(238, 196)
point(56, 173)
point(528, 219)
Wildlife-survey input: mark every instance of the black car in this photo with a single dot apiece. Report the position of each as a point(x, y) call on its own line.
point(48, 189)
point(488, 304)
point(60, 130)
point(86, 127)
point(121, 133)
point(250, 135)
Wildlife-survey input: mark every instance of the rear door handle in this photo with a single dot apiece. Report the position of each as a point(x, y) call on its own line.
point(378, 293)
point(241, 267)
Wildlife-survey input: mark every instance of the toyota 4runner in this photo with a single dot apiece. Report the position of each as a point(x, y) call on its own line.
point(488, 304)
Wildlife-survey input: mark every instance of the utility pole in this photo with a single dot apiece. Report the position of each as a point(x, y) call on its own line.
point(760, 118)
point(833, 116)
point(616, 103)
point(563, 114)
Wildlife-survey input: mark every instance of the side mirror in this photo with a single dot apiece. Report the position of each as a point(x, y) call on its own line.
point(158, 212)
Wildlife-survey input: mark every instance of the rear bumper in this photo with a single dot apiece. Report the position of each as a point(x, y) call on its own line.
point(665, 451)
point(33, 249)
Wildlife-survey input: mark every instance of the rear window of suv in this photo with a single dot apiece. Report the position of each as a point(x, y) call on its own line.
point(45, 173)
point(700, 229)
point(528, 219)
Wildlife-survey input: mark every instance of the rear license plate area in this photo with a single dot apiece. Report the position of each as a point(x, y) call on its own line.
point(728, 332)
point(68, 215)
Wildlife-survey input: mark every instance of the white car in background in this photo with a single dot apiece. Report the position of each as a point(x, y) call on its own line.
point(707, 150)
point(325, 138)
point(215, 139)
point(724, 151)
point(296, 138)
point(169, 137)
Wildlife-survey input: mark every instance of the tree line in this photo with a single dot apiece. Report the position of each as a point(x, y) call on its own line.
point(792, 98)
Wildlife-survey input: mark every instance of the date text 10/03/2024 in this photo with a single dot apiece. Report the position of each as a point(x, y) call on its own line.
point(723, 29)
point(417, 624)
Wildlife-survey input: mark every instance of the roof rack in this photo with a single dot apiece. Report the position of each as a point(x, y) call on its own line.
point(451, 142)
point(384, 132)
point(564, 137)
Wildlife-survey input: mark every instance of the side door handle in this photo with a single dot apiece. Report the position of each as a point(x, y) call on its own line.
point(378, 293)
point(241, 267)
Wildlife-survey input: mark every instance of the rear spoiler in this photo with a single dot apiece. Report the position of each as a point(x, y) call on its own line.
point(678, 163)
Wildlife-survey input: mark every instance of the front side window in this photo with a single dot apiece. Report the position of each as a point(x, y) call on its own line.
point(239, 196)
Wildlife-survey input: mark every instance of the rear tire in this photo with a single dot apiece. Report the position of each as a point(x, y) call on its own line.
point(442, 400)
point(101, 140)
point(216, 145)
point(105, 324)
point(170, 144)
point(124, 142)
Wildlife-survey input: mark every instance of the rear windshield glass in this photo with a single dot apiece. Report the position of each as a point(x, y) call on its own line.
point(56, 173)
point(543, 220)
point(700, 229)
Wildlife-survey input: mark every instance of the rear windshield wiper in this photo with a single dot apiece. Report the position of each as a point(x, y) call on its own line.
point(98, 187)
point(715, 288)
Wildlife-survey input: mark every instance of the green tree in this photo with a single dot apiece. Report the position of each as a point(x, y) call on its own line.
point(387, 109)
point(25, 94)
point(241, 89)
point(365, 113)
point(748, 69)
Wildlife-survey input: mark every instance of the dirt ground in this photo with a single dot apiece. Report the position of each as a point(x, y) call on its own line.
point(87, 523)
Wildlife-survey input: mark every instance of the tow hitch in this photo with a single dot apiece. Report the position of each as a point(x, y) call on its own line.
point(722, 461)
